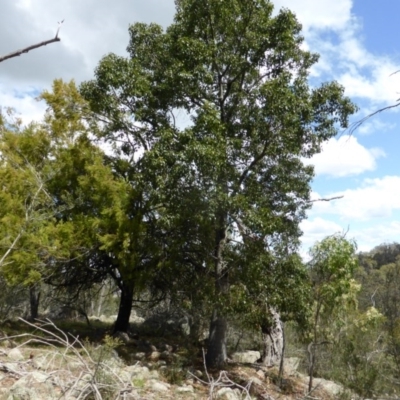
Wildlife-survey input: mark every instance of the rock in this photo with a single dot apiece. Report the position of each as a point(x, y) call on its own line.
point(198, 373)
point(40, 362)
point(134, 319)
point(290, 365)
point(18, 392)
point(185, 325)
point(138, 356)
point(145, 346)
point(329, 386)
point(256, 381)
point(138, 372)
point(154, 356)
point(185, 389)
point(165, 355)
point(38, 376)
point(123, 337)
point(11, 367)
point(6, 343)
point(15, 355)
point(34, 386)
point(166, 348)
point(228, 394)
point(246, 357)
point(158, 386)
point(261, 374)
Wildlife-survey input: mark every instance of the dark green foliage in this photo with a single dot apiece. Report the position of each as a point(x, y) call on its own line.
point(233, 179)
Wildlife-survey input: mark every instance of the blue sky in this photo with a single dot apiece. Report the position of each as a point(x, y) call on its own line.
point(364, 168)
point(359, 47)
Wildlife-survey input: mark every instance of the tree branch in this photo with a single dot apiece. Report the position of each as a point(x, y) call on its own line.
point(326, 199)
point(34, 46)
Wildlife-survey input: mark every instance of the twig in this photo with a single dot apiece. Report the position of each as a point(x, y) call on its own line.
point(326, 199)
point(26, 49)
point(34, 46)
point(69, 381)
point(223, 381)
point(357, 124)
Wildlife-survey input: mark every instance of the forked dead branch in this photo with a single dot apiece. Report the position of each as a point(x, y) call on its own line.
point(69, 363)
point(34, 46)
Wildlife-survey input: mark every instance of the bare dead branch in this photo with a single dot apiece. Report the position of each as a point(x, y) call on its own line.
point(76, 369)
point(26, 49)
point(223, 381)
point(357, 124)
point(326, 199)
point(34, 46)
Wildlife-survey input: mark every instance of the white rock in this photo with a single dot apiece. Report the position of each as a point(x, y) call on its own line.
point(25, 388)
point(261, 374)
point(185, 389)
point(21, 392)
point(227, 394)
point(329, 386)
point(256, 381)
point(40, 362)
point(158, 386)
point(139, 356)
point(39, 376)
point(290, 365)
point(136, 320)
point(15, 355)
point(246, 356)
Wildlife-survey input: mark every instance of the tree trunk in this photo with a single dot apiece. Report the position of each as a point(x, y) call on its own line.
point(273, 341)
point(216, 350)
point(34, 300)
point(125, 308)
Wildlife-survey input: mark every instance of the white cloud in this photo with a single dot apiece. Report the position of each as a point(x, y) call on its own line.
point(377, 84)
point(374, 125)
point(28, 109)
point(370, 237)
point(317, 228)
point(375, 198)
point(344, 56)
point(319, 14)
point(92, 28)
point(345, 156)
point(366, 237)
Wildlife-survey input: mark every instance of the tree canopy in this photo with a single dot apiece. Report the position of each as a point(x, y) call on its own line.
point(241, 76)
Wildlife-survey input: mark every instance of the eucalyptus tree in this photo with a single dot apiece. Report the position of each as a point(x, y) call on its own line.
point(240, 74)
point(332, 266)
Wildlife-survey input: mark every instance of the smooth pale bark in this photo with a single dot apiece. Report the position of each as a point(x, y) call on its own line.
point(273, 340)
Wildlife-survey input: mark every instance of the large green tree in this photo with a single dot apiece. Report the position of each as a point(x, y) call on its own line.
point(240, 76)
point(109, 220)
